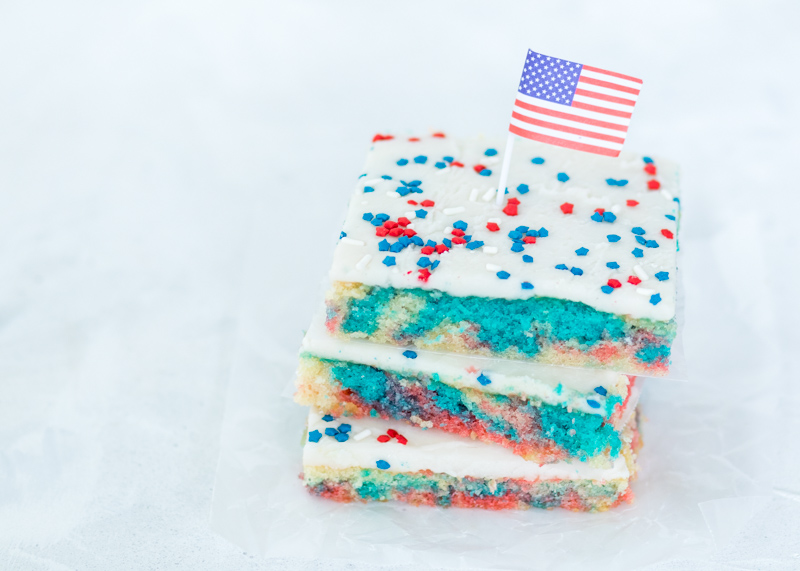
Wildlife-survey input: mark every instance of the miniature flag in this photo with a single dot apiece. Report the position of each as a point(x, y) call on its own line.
point(572, 105)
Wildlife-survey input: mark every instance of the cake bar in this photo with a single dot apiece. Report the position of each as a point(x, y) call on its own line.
point(371, 459)
point(542, 413)
point(576, 267)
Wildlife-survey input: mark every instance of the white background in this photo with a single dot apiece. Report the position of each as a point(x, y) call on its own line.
point(142, 147)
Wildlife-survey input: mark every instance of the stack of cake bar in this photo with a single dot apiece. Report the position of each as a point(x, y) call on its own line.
point(478, 354)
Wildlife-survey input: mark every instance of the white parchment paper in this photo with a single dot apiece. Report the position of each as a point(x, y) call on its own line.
point(702, 472)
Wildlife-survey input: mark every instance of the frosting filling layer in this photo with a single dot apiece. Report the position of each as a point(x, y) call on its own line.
point(440, 452)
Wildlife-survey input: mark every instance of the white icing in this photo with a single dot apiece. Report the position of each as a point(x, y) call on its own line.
point(508, 377)
point(461, 271)
point(439, 452)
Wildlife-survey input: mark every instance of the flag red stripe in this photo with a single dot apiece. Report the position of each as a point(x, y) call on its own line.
point(609, 85)
point(562, 142)
point(596, 109)
point(604, 97)
point(613, 73)
point(564, 128)
point(570, 116)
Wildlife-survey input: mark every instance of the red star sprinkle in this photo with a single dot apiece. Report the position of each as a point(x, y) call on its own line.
point(396, 232)
point(614, 283)
point(458, 240)
point(634, 280)
point(478, 168)
point(566, 208)
point(402, 439)
point(439, 135)
point(492, 227)
point(414, 202)
point(427, 250)
point(390, 224)
point(631, 203)
point(456, 164)
point(380, 137)
point(457, 232)
point(413, 139)
point(667, 233)
point(381, 231)
point(409, 232)
point(513, 200)
point(403, 221)
point(650, 169)
point(599, 210)
point(510, 209)
point(383, 438)
point(529, 239)
point(391, 432)
point(427, 203)
point(440, 248)
point(424, 274)
point(653, 184)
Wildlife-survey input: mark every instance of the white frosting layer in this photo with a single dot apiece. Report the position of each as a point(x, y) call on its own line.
point(437, 451)
point(461, 194)
point(508, 377)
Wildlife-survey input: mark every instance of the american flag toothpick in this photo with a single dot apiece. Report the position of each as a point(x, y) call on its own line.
point(570, 105)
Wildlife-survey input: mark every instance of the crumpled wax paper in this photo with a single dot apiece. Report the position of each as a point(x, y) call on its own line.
point(703, 468)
